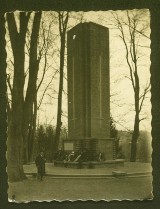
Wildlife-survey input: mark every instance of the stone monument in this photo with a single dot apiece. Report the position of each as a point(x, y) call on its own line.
point(89, 88)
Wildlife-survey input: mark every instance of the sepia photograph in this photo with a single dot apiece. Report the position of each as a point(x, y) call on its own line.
point(78, 105)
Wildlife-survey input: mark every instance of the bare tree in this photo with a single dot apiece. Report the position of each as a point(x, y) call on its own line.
point(34, 61)
point(132, 45)
point(63, 21)
point(21, 105)
point(46, 50)
point(15, 138)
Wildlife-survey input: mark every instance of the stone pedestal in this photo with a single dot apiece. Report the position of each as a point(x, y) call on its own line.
point(106, 146)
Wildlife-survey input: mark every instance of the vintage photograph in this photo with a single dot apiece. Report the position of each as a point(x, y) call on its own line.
point(78, 105)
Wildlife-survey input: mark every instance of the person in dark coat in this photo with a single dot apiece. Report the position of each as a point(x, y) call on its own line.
point(40, 163)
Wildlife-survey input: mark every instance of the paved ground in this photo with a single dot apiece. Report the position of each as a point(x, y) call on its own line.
point(128, 187)
point(128, 168)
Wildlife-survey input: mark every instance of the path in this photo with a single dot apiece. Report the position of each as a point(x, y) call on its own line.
point(128, 187)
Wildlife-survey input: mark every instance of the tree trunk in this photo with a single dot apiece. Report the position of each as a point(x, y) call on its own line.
point(135, 134)
point(134, 140)
point(32, 130)
point(59, 111)
point(14, 166)
point(31, 89)
point(63, 21)
point(15, 139)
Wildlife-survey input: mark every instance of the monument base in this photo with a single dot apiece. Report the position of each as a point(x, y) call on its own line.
point(95, 146)
point(97, 149)
point(107, 147)
point(100, 154)
point(91, 164)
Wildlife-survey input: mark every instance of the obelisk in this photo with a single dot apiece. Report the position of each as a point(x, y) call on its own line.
point(89, 87)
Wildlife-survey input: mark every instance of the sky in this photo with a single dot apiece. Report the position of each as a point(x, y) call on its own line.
point(122, 99)
point(122, 108)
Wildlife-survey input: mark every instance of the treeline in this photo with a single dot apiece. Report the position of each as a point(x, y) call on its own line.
point(144, 148)
point(45, 141)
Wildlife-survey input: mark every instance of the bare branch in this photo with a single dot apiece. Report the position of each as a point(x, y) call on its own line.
point(120, 27)
point(122, 125)
point(143, 96)
point(44, 71)
point(40, 102)
point(142, 119)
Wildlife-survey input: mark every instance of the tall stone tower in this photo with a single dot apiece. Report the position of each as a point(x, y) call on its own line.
point(89, 88)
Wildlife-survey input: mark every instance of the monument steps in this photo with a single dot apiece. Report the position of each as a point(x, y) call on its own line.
point(94, 176)
point(90, 164)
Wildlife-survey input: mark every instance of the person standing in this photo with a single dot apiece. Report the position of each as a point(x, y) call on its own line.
point(40, 163)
